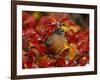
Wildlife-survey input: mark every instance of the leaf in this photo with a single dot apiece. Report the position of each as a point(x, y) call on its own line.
point(72, 51)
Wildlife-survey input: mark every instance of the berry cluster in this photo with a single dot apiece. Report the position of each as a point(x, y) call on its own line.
point(71, 48)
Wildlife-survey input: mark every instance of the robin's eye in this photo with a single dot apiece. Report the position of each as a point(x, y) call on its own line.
point(62, 24)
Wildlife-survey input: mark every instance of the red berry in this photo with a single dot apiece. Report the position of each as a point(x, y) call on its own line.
point(70, 63)
point(28, 32)
point(25, 15)
point(29, 64)
point(43, 63)
point(71, 36)
point(61, 17)
point(84, 60)
point(42, 49)
point(30, 21)
point(61, 62)
point(83, 35)
point(83, 48)
point(46, 20)
point(52, 64)
point(64, 53)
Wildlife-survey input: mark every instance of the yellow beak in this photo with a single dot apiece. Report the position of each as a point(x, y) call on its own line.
point(65, 28)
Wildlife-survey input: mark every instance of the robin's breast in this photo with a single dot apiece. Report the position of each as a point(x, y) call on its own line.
point(57, 45)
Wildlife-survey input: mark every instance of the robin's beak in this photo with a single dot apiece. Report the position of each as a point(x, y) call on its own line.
point(65, 28)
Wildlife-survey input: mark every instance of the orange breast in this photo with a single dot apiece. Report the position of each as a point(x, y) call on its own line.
point(57, 45)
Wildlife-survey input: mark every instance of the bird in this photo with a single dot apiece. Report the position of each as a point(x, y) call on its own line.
point(56, 43)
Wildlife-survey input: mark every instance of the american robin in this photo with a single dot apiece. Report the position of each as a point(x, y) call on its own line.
point(56, 43)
